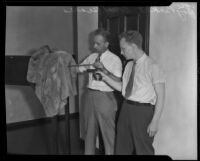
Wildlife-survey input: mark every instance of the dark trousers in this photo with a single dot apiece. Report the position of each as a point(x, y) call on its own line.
point(132, 133)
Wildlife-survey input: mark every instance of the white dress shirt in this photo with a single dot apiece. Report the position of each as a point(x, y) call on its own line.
point(147, 73)
point(110, 61)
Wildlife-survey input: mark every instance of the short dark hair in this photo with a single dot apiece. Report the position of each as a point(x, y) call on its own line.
point(104, 33)
point(132, 36)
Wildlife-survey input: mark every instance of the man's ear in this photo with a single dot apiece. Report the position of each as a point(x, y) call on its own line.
point(134, 46)
point(107, 44)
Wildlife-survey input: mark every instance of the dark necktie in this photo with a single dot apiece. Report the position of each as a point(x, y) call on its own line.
point(98, 58)
point(97, 76)
point(130, 82)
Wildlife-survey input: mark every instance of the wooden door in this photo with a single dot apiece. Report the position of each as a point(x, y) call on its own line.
point(119, 19)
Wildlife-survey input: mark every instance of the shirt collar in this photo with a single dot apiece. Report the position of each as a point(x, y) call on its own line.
point(104, 53)
point(140, 60)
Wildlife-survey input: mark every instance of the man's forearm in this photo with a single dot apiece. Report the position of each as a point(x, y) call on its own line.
point(157, 112)
point(114, 82)
point(112, 76)
point(160, 90)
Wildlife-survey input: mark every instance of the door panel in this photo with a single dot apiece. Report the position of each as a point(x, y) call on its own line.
point(119, 19)
point(131, 22)
point(113, 25)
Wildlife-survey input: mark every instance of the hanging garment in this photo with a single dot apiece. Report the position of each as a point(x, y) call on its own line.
point(55, 82)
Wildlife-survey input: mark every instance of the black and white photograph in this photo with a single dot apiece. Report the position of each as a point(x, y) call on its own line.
point(101, 80)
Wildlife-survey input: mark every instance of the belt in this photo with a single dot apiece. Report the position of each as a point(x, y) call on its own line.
point(98, 90)
point(138, 103)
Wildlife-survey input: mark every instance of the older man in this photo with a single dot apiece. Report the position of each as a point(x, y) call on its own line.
point(101, 105)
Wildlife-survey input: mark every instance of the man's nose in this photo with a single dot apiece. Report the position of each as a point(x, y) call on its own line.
point(95, 46)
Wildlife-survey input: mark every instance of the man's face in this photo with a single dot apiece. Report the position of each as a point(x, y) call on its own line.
point(100, 45)
point(126, 49)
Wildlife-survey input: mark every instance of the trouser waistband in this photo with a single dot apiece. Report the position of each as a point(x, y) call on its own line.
point(98, 90)
point(138, 103)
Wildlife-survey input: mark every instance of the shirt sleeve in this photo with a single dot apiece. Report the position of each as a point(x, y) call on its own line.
point(85, 61)
point(158, 75)
point(117, 68)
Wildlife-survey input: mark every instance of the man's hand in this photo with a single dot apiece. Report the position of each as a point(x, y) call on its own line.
point(111, 80)
point(152, 128)
point(160, 92)
point(99, 65)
